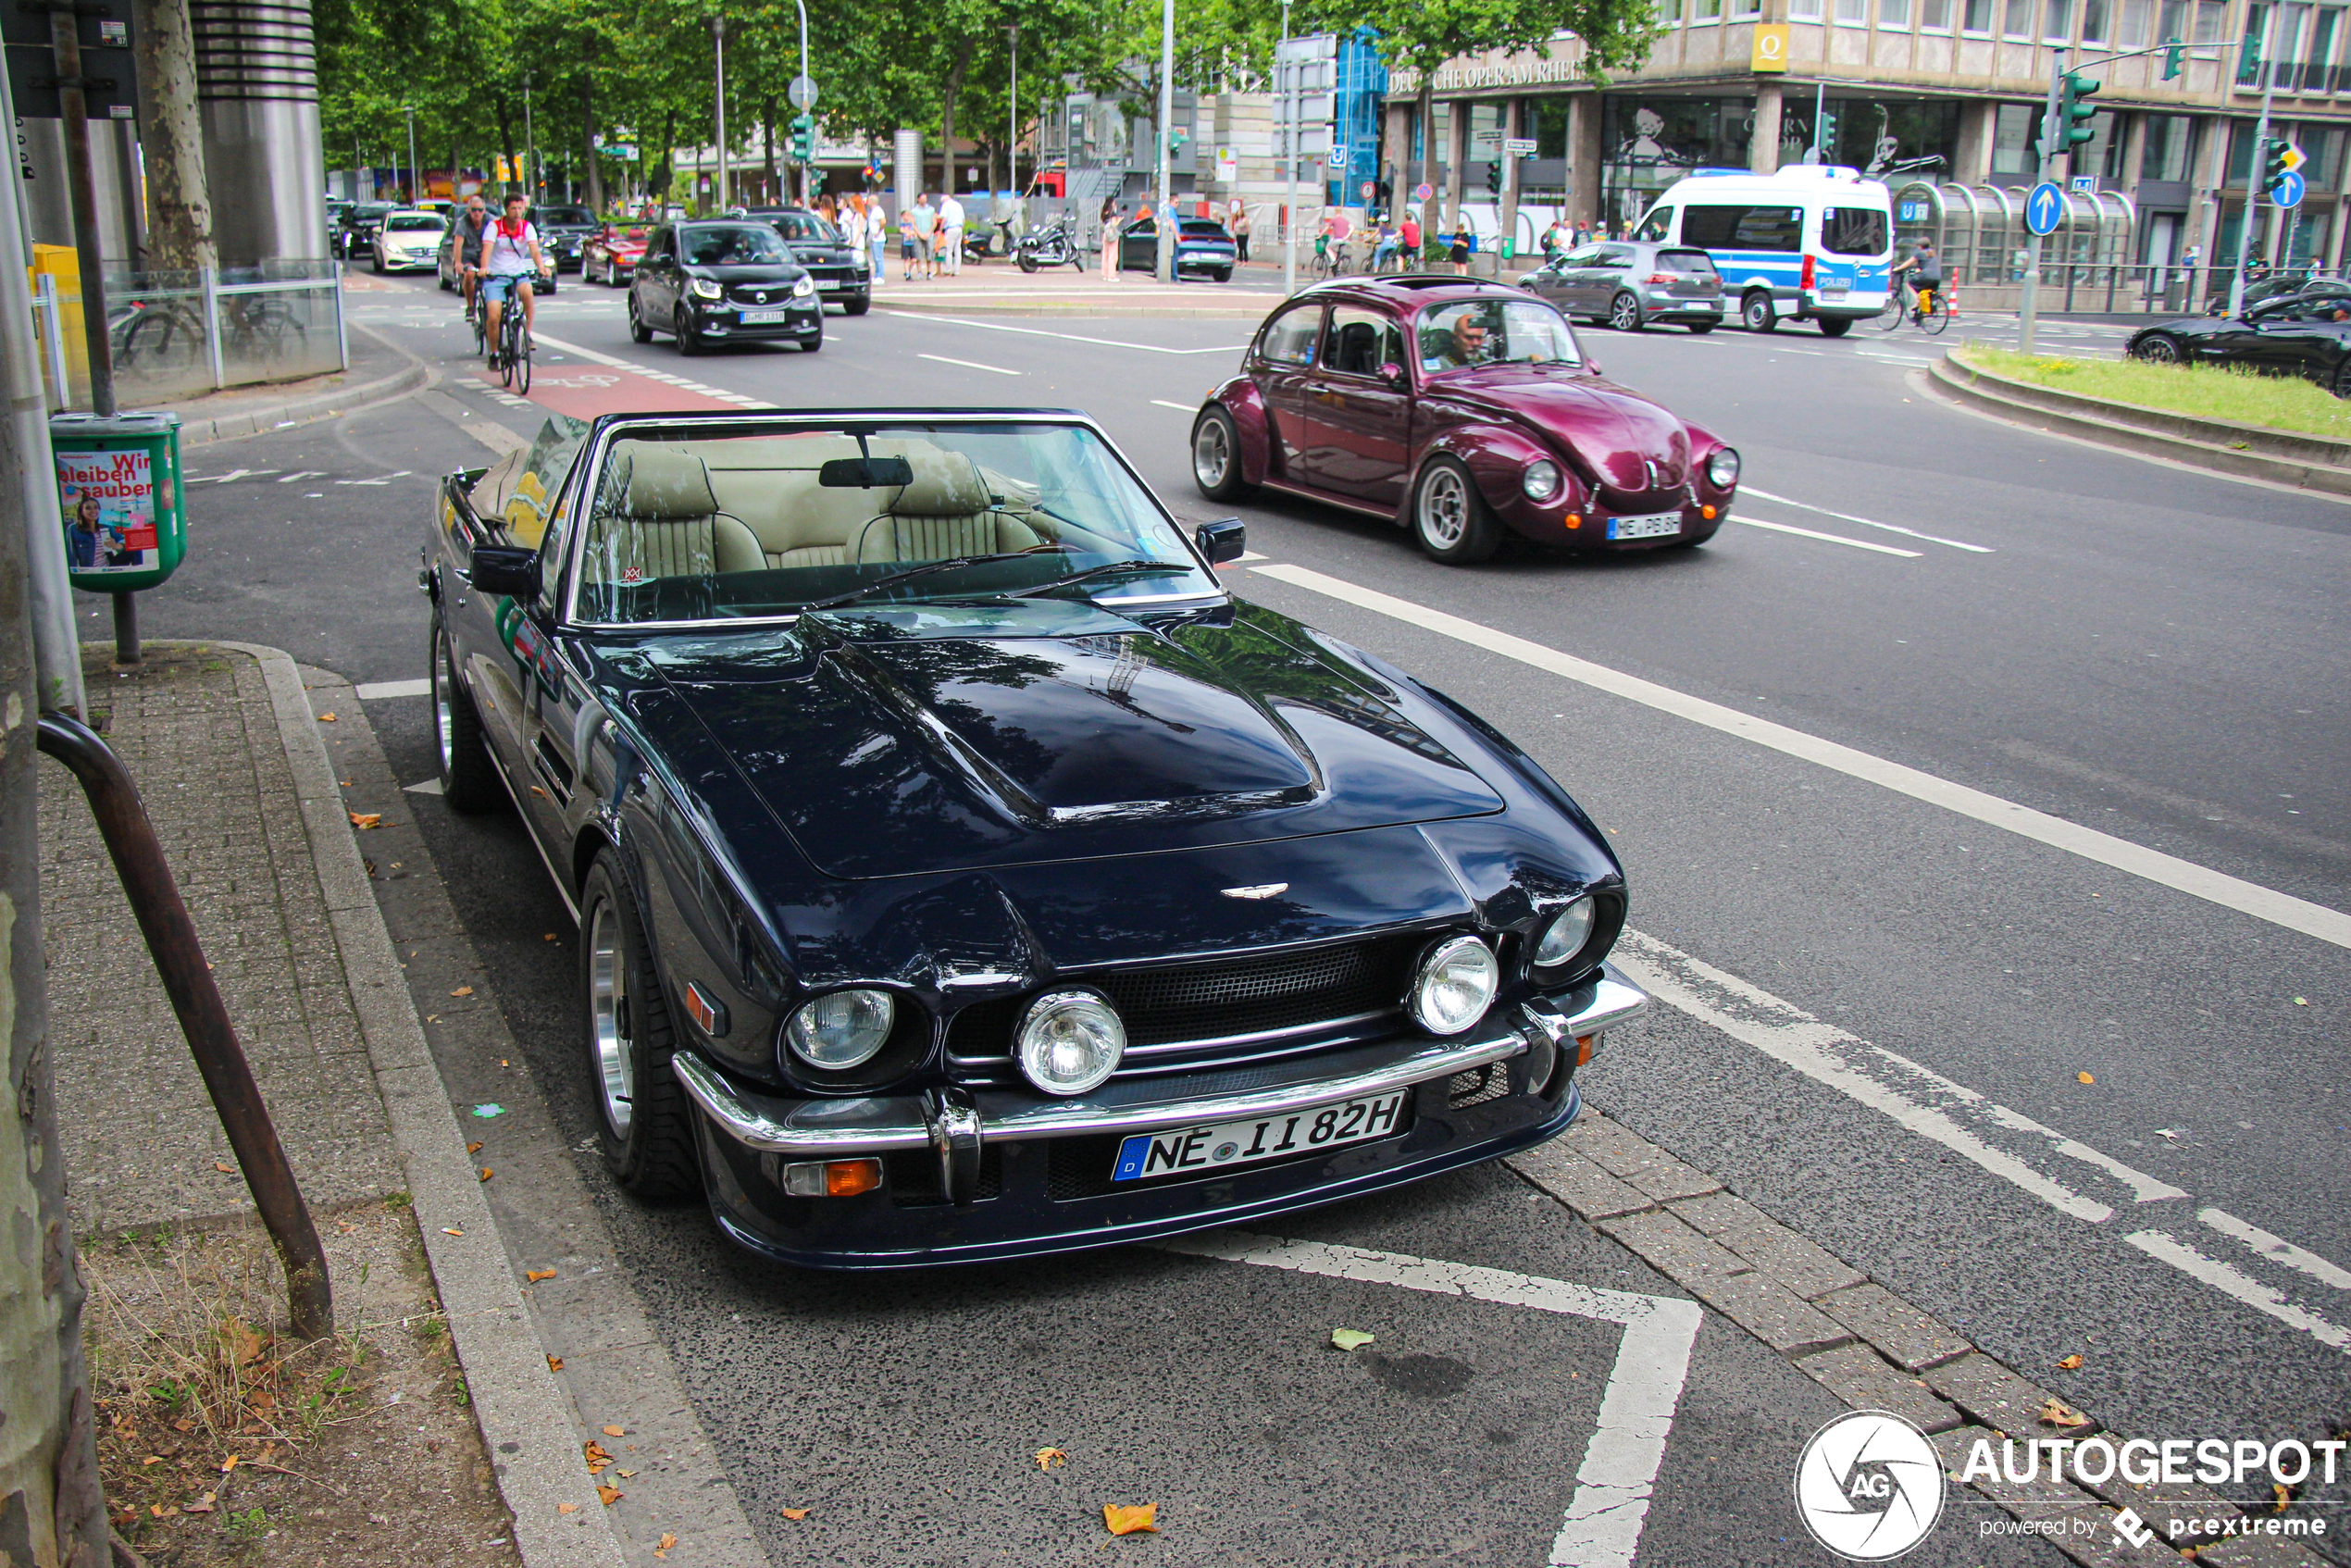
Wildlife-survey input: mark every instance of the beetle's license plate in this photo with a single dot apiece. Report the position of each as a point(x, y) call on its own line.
point(1183, 1150)
point(1656, 525)
point(762, 318)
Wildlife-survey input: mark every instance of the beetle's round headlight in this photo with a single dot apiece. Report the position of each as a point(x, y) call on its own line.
point(841, 1029)
point(1069, 1041)
point(1456, 983)
point(1541, 480)
point(1723, 469)
point(1565, 935)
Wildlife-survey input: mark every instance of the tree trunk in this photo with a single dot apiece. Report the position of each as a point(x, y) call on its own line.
point(588, 145)
point(52, 1510)
point(947, 118)
point(172, 140)
point(767, 153)
point(505, 140)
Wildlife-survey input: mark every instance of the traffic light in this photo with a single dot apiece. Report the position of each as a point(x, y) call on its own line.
point(1494, 175)
point(2250, 58)
point(2175, 59)
point(2075, 111)
point(1177, 137)
point(2279, 158)
point(803, 139)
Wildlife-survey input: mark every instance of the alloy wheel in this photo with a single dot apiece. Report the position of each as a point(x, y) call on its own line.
point(1444, 508)
point(1624, 313)
point(1212, 454)
point(2159, 350)
point(608, 1018)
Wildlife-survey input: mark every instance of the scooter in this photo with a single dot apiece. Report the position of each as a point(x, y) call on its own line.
point(1052, 245)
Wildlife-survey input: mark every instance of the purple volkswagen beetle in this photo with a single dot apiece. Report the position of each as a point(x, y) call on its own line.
point(1460, 410)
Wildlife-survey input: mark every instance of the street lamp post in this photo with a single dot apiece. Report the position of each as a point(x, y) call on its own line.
point(718, 114)
point(410, 110)
point(1166, 267)
point(810, 110)
point(1012, 119)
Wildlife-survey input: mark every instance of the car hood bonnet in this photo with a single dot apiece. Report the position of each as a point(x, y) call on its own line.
point(1612, 434)
point(925, 739)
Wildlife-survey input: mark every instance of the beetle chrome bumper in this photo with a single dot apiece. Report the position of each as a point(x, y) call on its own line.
point(955, 1122)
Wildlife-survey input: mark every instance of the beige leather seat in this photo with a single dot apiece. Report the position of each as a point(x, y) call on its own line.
point(669, 524)
point(948, 510)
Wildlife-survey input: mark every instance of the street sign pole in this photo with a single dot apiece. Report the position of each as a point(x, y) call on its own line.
point(2049, 130)
point(1289, 164)
point(2253, 167)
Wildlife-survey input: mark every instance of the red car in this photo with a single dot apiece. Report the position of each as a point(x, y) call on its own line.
point(611, 253)
point(1460, 410)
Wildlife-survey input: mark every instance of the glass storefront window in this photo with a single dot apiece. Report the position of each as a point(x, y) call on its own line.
point(2320, 54)
point(2166, 154)
point(1544, 121)
point(2016, 138)
point(1647, 144)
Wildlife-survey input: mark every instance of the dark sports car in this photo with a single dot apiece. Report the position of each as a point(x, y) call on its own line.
point(1461, 411)
point(962, 873)
point(2306, 335)
point(1203, 246)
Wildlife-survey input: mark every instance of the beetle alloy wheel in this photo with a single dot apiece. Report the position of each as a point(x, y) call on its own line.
point(608, 1017)
point(441, 733)
point(1444, 508)
point(1212, 454)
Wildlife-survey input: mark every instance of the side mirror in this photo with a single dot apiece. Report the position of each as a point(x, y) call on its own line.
point(510, 569)
point(1391, 372)
point(1593, 365)
point(1226, 539)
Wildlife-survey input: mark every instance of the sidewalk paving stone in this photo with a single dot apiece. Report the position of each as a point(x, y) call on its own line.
point(1865, 1380)
point(1907, 1336)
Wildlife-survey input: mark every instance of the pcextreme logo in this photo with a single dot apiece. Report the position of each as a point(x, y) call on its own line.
point(1868, 1486)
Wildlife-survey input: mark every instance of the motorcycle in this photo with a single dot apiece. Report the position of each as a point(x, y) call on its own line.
point(1053, 245)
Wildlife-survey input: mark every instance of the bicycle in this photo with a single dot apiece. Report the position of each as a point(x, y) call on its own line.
point(476, 315)
point(513, 357)
point(158, 335)
point(1902, 301)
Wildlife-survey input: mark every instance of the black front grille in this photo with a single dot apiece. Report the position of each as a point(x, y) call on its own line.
point(913, 1178)
point(1273, 994)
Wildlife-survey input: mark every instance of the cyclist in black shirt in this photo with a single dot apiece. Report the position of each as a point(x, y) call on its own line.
point(1925, 268)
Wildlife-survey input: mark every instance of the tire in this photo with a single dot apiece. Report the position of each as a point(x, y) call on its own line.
point(469, 783)
point(1450, 521)
point(378, 263)
point(687, 344)
point(1216, 457)
point(1835, 327)
point(1027, 262)
point(1699, 329)
point(1896, 306)
point(1222, 275)
point(638, 331)
point(522, 374)
point(2340, 383)
point(1937, 320)
point(1755, 312)
point(1625, 314)
point(812, 344)
point(2158, 348)
point(857, 306)
point(645, 1124)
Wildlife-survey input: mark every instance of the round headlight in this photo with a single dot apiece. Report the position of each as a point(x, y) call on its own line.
point(1456, 983)
point(1723, 469)
point(1069, 1041)
point(1541, 480)
point(1565, 935)
point(841, 1029)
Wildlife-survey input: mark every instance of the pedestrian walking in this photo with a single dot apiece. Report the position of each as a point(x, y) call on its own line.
point(1240, 225)
point(950, 230)
point(1110, 239)
point(1464, 241)
point(913, 229)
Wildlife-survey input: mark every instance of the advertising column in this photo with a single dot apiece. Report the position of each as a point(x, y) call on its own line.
point(257, 89)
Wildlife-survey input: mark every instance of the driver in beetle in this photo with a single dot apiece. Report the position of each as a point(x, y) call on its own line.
point(1464, 345)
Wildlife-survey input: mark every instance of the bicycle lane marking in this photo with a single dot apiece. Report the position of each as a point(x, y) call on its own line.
point(583, 393)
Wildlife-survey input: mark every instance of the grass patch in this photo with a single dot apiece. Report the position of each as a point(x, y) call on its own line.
point(2208, 392)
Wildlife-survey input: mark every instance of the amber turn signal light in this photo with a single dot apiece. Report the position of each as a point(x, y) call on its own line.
point(1576, 520)
point(1584, 1045)
point(1706, 513)
point(832, 1178)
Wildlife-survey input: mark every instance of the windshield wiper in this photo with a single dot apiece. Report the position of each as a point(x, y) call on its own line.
point(1164, 568)
point(926, 570)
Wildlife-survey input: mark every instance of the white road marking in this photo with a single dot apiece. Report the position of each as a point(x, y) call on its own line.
point(303, 474)
point(1602, 1528)
point(1865, 522)
point(2331, 926)
point(430, 786)
point(1179, 408)
point(680, 382)
point(1828, 538)
point(224, 479)
point(969, 365)
point(2276, 1248)
point(2244, 1287)
point(1074, 337)
point(1892, 358)
point(377, 690)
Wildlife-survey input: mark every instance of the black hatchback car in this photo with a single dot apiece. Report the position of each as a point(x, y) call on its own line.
point(723, 281)
point(962, 872)
point(563, 231)
point(844, 274)
point(2306, 335)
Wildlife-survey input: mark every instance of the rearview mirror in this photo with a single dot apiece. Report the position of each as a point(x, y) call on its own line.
point(1225, 539)
point(511, 569)
point(864, 473)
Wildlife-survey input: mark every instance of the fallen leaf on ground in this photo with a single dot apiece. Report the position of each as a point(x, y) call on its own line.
point(555, 1363)
point(795, 1513)
point(463, 991)
point(2057, 1413)
point(2083, 1077)
point(1350, 1338)
point(486, 1172)
point(2301, 1001)
point(534, 1276)
point(2283, 1494)
point(667, 1540)
point(626, 1474)
point(2069, 1363)
point(223, 1166)
point(474, 1148)
point(1047, 1458)
point(550, 937)
point(616, 1431)
point(609, 1493)
point(153, 1459)
point(596, 1456)
point(567, 1508)
point(199, 1508)
point(451, 1231)
point(228, 1464)
point(367, 818)
point(326, 718)
point(2168, 1132)
point(1127, 1520)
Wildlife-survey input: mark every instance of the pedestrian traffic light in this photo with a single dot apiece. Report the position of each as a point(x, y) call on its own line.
point(2075, 111)
point(2175, 59)
point(803, 139)
point(2279, 158)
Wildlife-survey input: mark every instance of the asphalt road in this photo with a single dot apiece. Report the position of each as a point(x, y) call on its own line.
point(2147, 652)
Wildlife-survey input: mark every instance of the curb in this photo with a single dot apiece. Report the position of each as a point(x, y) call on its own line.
point(513, 1392)
point(1082, 310)
point(2220, 446)
point(1864, 1344)
point(325, 404)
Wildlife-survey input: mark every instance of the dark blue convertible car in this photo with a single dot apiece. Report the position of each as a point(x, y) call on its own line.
point(963, 872)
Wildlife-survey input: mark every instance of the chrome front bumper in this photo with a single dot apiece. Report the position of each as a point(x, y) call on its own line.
point(953, 1123)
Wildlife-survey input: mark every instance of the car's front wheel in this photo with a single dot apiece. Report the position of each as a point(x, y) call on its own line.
point(639, 332)
point(1755, 312)
point(466, 782)
point(2157, 349)
point(1624, 313)
point(645, 1124)
point(812, 345)
point(1216, 457)
point(1449, 518)
point(2340, 383)
point(688, 344)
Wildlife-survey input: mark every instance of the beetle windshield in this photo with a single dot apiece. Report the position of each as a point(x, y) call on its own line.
point(714, 523)
point(1464, 333)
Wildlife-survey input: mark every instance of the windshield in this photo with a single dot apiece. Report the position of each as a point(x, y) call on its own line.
point(565, 215)
point(807, 227)
point(720, 523)
point(736, 245)
point(634, 233)
point(371, 209)
point(1853, 230)
point(1495, 331)
point(415, 223)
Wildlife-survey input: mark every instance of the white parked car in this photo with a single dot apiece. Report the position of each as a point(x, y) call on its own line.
point(406, 240)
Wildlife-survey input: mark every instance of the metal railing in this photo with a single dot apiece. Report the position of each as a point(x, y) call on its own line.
point(2099, 287)
point(179, 334)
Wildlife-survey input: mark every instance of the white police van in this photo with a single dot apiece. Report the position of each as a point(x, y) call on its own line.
point(1812, 242)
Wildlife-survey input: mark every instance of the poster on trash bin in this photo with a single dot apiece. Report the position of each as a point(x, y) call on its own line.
point(109, 503)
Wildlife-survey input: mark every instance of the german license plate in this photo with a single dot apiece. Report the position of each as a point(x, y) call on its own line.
point(1834, 291)
point(1187, 1151)
point(1656, 525)
point(763, 318)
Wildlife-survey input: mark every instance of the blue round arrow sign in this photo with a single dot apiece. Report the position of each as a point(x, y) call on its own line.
point(2290, 186)
point(2044, 207)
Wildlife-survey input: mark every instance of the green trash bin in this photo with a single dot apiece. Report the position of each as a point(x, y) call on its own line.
point(119, 486)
